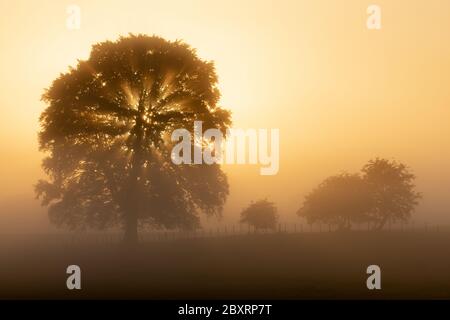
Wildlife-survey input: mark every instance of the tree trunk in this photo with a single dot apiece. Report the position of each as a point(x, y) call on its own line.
point(133, 207)
point(382, 223)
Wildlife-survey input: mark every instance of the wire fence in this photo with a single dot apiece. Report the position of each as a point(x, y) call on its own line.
point(235, 230)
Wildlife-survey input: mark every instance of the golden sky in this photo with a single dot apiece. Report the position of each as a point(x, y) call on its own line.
point(339, 93)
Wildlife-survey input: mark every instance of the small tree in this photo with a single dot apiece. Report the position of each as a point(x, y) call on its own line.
point(261, 214)
point(392, 188)
point(339, 200)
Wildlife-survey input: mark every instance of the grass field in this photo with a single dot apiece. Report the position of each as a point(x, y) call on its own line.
point(329, 265)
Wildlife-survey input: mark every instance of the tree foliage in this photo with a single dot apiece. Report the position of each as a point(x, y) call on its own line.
point(261, 214)
point(393, 191)
point(339, 200)
point(385, 191)
point(106, 132)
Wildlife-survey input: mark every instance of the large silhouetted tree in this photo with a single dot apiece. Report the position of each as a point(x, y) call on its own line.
point(106, 131)
point(339, 200)
point(261, 214)
point(393, 191)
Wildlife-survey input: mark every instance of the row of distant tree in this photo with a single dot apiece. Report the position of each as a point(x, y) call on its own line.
point(383, 191)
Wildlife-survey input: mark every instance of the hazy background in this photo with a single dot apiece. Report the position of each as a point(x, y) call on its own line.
point(340, 93)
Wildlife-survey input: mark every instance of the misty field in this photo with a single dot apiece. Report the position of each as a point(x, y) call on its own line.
point(330, 265)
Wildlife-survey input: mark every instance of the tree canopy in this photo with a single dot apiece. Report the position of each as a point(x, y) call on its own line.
point(339, 200)
point(393, 192)
point(384, 191)
point(106, 133)
point(261, 214)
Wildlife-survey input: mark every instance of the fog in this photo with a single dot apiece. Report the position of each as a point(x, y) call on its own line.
point(335, 90)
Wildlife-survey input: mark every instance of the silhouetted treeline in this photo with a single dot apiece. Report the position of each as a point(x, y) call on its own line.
point(383, 191)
